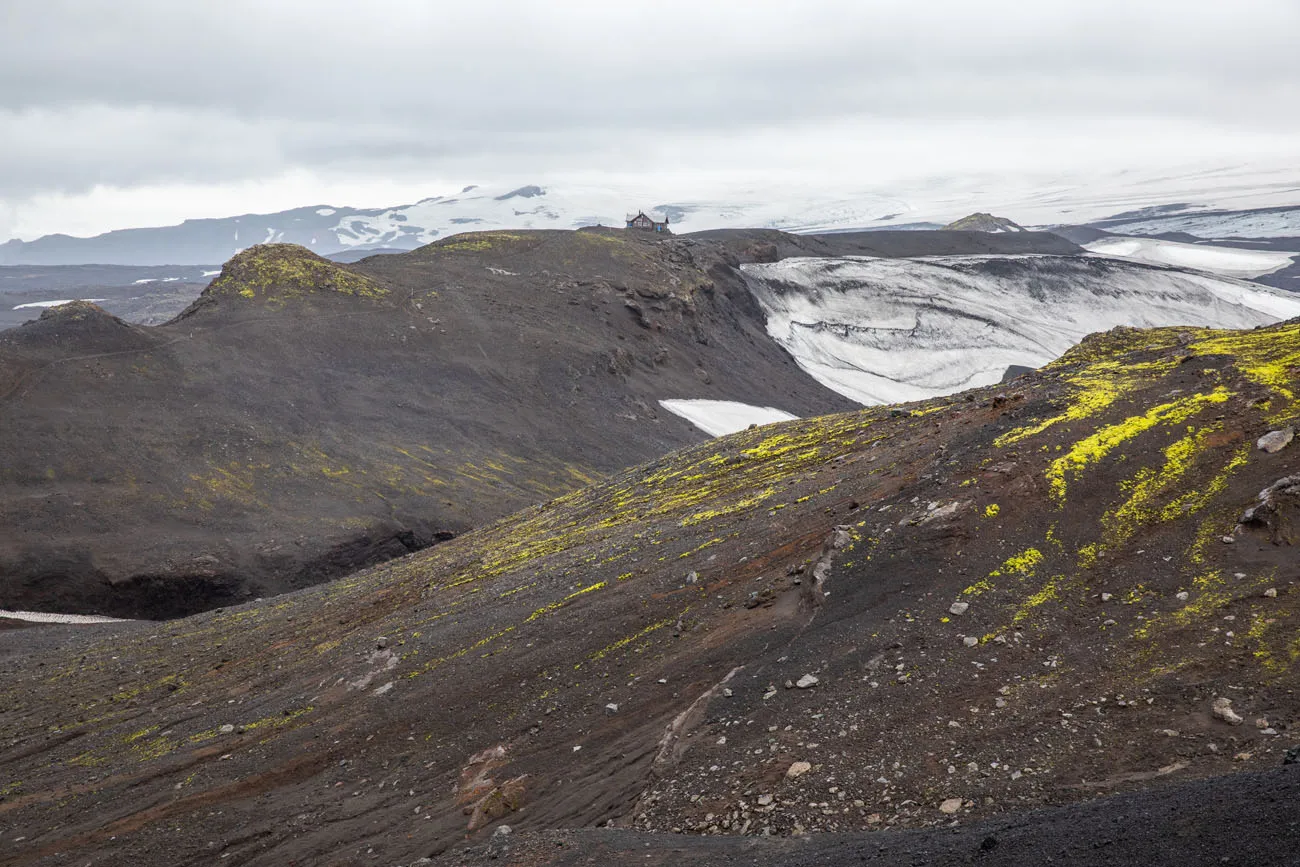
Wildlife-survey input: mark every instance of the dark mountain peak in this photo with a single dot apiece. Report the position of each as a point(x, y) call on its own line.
point(983, 222)
point(275, 273)
point(75, 311)
point(78, 327)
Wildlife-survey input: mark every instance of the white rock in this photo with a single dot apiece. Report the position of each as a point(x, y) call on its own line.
point(950, 806)
point(1222, 710)
point(806, 681)
point(1106, 597)
point(1182, 595)
point(798, 769)
point(765, 800)
point(958, 607)
point(970, 641)
point(611, 708)
point(1270, 593)
point(226, 729)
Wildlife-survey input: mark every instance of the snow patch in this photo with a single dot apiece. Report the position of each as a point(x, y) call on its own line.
point(211, 273)
point(325, 212)
point(1229, 261)
point(721, 417)
point(43, 617)
point(896, 330)
point(58, 303)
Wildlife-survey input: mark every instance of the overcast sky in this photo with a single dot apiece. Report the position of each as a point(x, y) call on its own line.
point(139, 113)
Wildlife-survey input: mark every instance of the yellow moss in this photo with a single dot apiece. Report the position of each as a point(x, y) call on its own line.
point(1020, 565)
point(991, 510)
point(1093, 448)
point(1046, 593)
point(1093, 390)
point(1269, 357)
point(555, 606)
point(275, 272)
point(624, 642)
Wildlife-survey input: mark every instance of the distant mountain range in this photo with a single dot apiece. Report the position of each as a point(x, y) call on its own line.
point(1168, 206)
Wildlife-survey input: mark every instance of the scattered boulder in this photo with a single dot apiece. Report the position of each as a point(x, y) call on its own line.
point(958, 608)
point(1222, 710)
point(1276, 440)
point(806, 682)
point(798, 769)
point(950, 806)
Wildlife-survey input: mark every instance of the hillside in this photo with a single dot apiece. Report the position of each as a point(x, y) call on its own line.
point(303, 418)
point(892, 618)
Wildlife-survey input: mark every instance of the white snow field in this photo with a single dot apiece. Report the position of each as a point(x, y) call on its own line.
point(1030, 201)
point(31, 304)
point(1229, 261)
point(894, 330)
point(42, 617)
point(721, 417)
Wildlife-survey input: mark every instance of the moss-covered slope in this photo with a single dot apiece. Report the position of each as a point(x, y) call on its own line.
point(1006, 599)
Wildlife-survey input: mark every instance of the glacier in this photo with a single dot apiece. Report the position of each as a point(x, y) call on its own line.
point(896, 330)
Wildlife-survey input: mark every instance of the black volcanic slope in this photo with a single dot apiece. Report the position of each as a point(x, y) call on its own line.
point(1022, 597)
point(303, 418)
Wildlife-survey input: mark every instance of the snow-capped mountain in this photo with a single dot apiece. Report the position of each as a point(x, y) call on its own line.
point(1210, 202)
point(892, 330)
point(330, 230)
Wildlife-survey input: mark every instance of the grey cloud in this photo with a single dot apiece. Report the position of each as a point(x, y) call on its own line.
point(135, 92)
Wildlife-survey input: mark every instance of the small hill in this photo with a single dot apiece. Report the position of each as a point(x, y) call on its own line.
point(1021, 597)
point(981, 222)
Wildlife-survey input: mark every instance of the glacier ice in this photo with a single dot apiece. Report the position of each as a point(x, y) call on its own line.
point(895, 330)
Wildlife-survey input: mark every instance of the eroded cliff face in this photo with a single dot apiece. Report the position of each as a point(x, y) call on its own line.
point(894, 617)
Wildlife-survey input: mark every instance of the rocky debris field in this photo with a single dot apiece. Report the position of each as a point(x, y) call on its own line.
point(1018, 598)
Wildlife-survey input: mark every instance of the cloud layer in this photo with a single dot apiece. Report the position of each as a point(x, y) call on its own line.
point(173, 103)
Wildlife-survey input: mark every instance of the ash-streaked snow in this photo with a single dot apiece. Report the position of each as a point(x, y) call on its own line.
point(1273, 223)
point(895, 330)
point(56, 303)
point(721, 417)
point(1229, 261)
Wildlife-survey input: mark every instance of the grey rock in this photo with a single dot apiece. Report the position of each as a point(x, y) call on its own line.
point(806, 681)
point(1275, 441)
point(958, 608)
